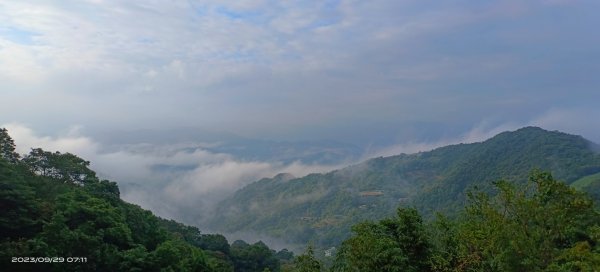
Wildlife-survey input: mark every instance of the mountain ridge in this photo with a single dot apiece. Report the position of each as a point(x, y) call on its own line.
point(319, 208)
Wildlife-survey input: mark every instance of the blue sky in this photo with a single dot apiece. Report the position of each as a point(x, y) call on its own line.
point(366, 72)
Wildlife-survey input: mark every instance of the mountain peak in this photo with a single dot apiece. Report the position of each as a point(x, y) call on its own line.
point(526, 132)
point(282, 177)
point(321, 207)
point(536, 134)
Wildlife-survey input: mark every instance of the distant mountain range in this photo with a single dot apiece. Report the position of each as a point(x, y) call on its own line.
point(324, 152)
point(320, 208)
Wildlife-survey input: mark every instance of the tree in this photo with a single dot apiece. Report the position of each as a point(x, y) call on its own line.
point(176, 255)
point(535, 228)
point(214, 242)
point(104, 188)
point(7, 147)
point(19, 210)
point(253, 258)
point(87, 226)
point(65, 167)
point(446, 254)
point(394, 244)
point(42, 214)
point(39, 161)
point(307, 262)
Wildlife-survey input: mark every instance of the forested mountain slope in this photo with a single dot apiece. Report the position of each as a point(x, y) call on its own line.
point(542, 225)
point(56, 215)
point(320, 208)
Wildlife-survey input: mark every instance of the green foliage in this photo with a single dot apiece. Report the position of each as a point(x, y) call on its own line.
point(65, 167)
point(544, 225)
point(187, 233)
point(214, 242)
point(19, 210)
point(591, 185)
point(52, 204)
point(285, 254)
point(306, 262)
point(580, 257)
point(446, 256)
point(104, 189)
point(145, 227)
point(584, 182)
point(320, 208)
point(528, 228)
point(7, 147)
point(168, 256)
point(253, 258)
point(393, 244)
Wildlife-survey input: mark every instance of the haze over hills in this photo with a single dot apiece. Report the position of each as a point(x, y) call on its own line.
point(177, 173)
point(320, 208)
point(53, 203)
point(244, 148)
point(57, 215)
point(320, 114)
point(284, 76)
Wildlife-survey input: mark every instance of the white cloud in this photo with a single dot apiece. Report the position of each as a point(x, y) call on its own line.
point(479, 133)
point(582, 121)
point(578, 121)
point(282, 69)
point(26, 139)
point(189, 186)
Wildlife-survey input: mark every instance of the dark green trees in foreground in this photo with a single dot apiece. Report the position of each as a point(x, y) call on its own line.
point(542, 226)
point(394, 244)
point(54, 208)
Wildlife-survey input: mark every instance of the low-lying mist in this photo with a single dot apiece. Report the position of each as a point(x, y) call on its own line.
point(186, 180)
point(181, 181)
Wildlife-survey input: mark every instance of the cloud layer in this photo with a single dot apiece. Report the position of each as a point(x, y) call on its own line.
point(184, 180)
point(342, 69)
point(180, 181)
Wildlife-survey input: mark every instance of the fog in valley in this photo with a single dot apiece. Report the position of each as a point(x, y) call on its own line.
point(183, 103)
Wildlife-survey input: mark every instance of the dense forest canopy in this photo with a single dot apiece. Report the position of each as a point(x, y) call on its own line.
point(544, 225)
point(321, 208)
point(56, 212)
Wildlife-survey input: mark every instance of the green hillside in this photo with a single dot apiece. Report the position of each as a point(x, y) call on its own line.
point(56, 215)
point(586, 181)
point(542, 225)
point(591, 185)
point(320, 208)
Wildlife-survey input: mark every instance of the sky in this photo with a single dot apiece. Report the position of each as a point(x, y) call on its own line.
point(356, 71)
point(388, 76)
